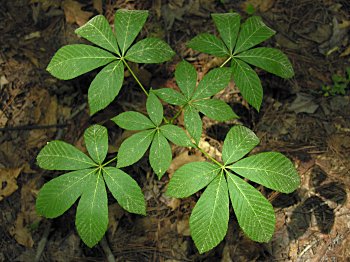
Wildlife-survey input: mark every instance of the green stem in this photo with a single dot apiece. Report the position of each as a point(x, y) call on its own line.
point(209, 156)
point(176, 115)
point(227, 60)
point(135, 77)
point(110, 161)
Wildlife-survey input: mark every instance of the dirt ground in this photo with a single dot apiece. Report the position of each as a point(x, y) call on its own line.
point(298, 118)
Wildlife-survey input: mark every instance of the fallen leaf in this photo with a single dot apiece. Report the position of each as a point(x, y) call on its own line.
point(27, 219)
point(182, 159)
point(8, 181)
point(74, 13)
point(97, 4)
point(261, 5)
point(303, 103)
point(183, 227)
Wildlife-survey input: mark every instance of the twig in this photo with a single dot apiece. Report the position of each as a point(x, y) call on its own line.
point(107, 250)
point(42, 242)
point(32, 127)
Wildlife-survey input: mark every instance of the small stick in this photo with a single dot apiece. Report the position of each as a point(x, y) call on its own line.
point(42, 242)
point(107, 250)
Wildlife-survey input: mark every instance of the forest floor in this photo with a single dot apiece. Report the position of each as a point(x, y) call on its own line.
point(300, 117)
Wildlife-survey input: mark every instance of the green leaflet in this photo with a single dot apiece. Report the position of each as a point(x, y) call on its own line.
point(186, 78)
point(92, 212)
point(96, 141)
point(105, 86)
point(213, 82)
point(170, 96)
point(270, 59)
point(127, 25)
point(150, 50)
point(176, 135)
point(270, 169)
point(160, 154)
point(132, 120)
point(239, 141)
point(134, 147)
point(248, 83)
point(58, 155)
point(228, 26)
point(60, 193)
point(253, 31)
point(190, 178)
point(254, 213)
point(209, 218)
point(125, 190)
point(154, 109)
point(193, 123)
point(98, 31)
point(73, 60)
point(215, 109)
point(210, 44)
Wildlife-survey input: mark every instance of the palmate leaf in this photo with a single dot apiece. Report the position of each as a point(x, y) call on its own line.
point(228, 26)
point(209, 44)
point(154, 109)
point(96, 141)
point(193, 123)
point(60, 193)
point(186, 78)
point(73, 60)
point(270, 59)
point(270, 169)
point(213, 82)
point(248, 83)
point(160, 154)
point(134, 147)
point(209, 218)
point(58, 155)
point(170, 96)
point(125, 190)
point(239, 141)
point(190, 178)
point(105, 86)
point(254, 213)
point(150, 50)
point(215, 109)
point(132, 120)
point(99, 32)
point(92, 213)
point(176, 135)
point(253, 31)
point(127, 25)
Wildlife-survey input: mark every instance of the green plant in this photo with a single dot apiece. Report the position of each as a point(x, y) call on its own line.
point(210, 216)
point(340, 84)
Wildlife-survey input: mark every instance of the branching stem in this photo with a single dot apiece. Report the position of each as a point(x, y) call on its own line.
point(209, 156)
point(110, 161)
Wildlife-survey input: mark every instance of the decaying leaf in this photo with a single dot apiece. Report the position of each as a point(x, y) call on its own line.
point(74, 13)
point(8, 181)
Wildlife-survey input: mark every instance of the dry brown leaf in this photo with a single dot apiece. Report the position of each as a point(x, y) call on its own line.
point(171, 202)
point(98, 5)
point(21, 233)
point(182, 159)
point(183, 227)
point(28, 216)
point(74, 13)
point(8, 181)
point(115, 212)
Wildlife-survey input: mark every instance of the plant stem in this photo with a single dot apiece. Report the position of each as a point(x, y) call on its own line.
point(110, 161)
point(209, 156)
point(227, 60)
point(176, 115)
point(135, 77)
